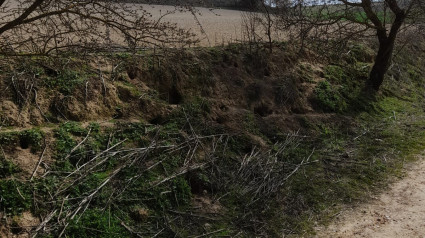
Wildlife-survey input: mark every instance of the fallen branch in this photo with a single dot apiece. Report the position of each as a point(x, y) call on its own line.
point(44, 222)
point(39, 160)
point(209, 233)
point(183, 171)
point(79, 144)
point(38, 106)
point(89, 197)
point(193, 215)
point(129, 229)
point(94, 158)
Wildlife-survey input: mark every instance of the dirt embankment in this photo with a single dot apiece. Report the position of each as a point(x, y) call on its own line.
point(398, 212)
point(256, 97)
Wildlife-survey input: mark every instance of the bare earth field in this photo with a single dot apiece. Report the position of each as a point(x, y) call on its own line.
point(211, 26)
point(221, 26)
point(399, 212)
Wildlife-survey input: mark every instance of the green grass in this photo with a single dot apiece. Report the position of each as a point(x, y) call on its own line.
point(7, 168)
point(15, 197)
point(338, 12)
point(97, 223)
point(32, 138)
point(66, 81)
point(329, 98)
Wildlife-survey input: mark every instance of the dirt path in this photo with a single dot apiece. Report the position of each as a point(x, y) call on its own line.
point(398, 212)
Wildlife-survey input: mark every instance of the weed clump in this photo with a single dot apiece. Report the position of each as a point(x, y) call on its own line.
point(360, 53)
point(15, 197)
point(7, 168)
point(66, 81)
point(335, 74)
point(32, 138)
point(181, 191)
point(96, 223)
point(329, 98)
point(64, 140)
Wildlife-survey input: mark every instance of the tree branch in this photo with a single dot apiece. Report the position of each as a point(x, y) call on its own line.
point(22, 17)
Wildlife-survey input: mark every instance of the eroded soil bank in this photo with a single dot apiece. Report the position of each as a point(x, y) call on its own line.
point(232, 141)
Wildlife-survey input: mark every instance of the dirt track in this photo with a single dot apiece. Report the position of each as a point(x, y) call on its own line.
point(398, 212)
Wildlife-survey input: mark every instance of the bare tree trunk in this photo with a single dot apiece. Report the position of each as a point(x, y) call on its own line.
point(382, 64)
point(385, 52)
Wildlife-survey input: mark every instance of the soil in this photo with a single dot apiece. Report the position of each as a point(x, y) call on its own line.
point(22, 227)
point(398, 212)
point(215, 26)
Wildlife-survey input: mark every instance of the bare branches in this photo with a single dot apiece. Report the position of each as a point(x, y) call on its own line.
point(78, 145)
point(320, 22)
point(262, 174)
point(144, 160)
point(181, 172)
point(39, 160)
point(371, 15)
point(209, 233)
point(44, 222)
point(394, 6)
point(54, 26)
point(19, 20)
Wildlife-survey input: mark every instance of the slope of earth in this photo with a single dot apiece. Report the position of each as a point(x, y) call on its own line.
point(214, 142)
